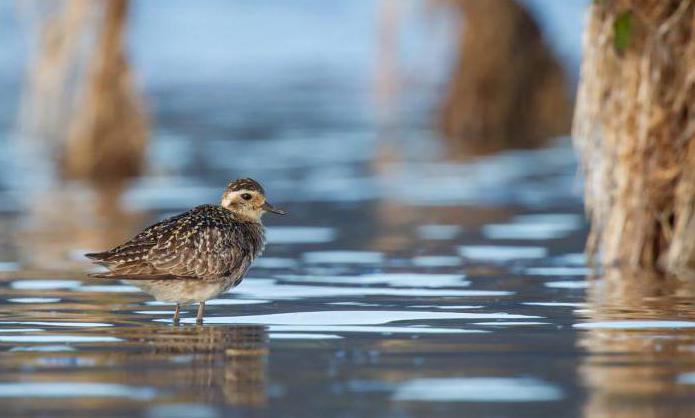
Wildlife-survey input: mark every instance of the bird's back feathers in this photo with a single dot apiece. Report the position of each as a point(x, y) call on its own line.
point(207, 242)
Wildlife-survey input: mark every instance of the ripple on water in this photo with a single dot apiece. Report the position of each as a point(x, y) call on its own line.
point(375, 329)
point(686, 379)
point(229, 301)
point(58, 323)
point(392, 279)
point(269, 289)
point(534, 227)
point(363, 317)
point(447, 306)
point(573, 259)
point(565, 219)
point(33, 300)
point(114, 288)
point(635, 324)
point(182, 410)
point(45, 348)
point(437, 261)
point(557, 304)
point(9, 266)
point(438, 232)
point(478, 389)
point(53, 338)
point(299, 235)
point(74, 390)
point(511, 323)
point(557, 271)
point(21, 329)
point(156, 312)
point(500, 253)
point(44, 284)
point(343, 257)
point(275, 263)
point(302, 336)
point(568, 284)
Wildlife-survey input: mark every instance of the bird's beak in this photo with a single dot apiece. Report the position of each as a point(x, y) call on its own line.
point(272, 209)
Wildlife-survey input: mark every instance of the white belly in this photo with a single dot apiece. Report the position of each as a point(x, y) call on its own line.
point(184, 291)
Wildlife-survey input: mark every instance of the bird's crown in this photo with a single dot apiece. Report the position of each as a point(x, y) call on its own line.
point(245, 183)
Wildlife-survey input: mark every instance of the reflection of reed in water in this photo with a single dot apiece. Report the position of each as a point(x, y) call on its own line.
point(227, 363)
point(96, 220)
point(634, 373)
point(397, 225)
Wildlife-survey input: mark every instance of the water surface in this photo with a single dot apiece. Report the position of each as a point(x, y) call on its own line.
point(379, 307)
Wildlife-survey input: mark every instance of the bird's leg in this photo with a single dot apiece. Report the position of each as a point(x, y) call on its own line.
point(176, 314)
point(201, 312)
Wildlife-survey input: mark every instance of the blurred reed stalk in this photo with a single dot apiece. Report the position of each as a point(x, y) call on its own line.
point(507, 89)
point(634, 129)
point(81, 97)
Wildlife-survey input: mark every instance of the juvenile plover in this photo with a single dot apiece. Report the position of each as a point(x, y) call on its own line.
point(194, 256)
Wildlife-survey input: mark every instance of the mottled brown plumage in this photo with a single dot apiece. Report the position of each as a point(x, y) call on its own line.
point(198, 254)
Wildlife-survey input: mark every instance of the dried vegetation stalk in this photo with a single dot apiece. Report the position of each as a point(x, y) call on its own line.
point(108, 134)
point(507, 89)
point(634, 129)
point(81, 100)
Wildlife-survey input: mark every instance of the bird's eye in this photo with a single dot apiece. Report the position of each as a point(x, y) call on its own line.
point(246, 196)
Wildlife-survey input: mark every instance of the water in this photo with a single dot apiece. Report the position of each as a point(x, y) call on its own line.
point(414, 287)
point(403, 283)
point(360, 307)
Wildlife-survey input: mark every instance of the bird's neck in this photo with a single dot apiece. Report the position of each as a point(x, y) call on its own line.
point(245, 216)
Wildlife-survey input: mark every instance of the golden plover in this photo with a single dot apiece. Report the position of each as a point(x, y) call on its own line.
point(194, 256)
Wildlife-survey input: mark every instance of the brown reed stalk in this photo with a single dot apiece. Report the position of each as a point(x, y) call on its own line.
point(107, 136)
point(634, 129)
point(47, 99)
point(507, 89)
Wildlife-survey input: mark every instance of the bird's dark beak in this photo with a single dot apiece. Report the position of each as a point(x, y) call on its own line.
point(272, 209)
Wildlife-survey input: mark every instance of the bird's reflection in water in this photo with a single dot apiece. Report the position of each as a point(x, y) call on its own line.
point(225, 364)
point(635, 367)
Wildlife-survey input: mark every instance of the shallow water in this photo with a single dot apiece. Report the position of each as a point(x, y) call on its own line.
point(379, 307)
point(409, 298)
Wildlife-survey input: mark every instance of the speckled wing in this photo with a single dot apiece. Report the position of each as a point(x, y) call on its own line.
point(131, 257)
point(204, 251)
point(204, 243)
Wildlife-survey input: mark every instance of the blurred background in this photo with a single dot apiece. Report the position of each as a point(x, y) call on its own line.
point(113, 110)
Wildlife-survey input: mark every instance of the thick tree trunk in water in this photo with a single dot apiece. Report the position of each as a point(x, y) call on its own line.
point(634, 129)
point(507, 89)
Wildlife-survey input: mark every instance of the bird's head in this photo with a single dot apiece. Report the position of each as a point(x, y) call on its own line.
point(246, 197)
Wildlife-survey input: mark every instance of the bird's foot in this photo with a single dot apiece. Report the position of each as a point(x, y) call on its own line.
point(201, 313)
point(177, 313)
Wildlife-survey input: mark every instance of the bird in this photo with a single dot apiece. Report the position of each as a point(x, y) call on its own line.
point(196, 255)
